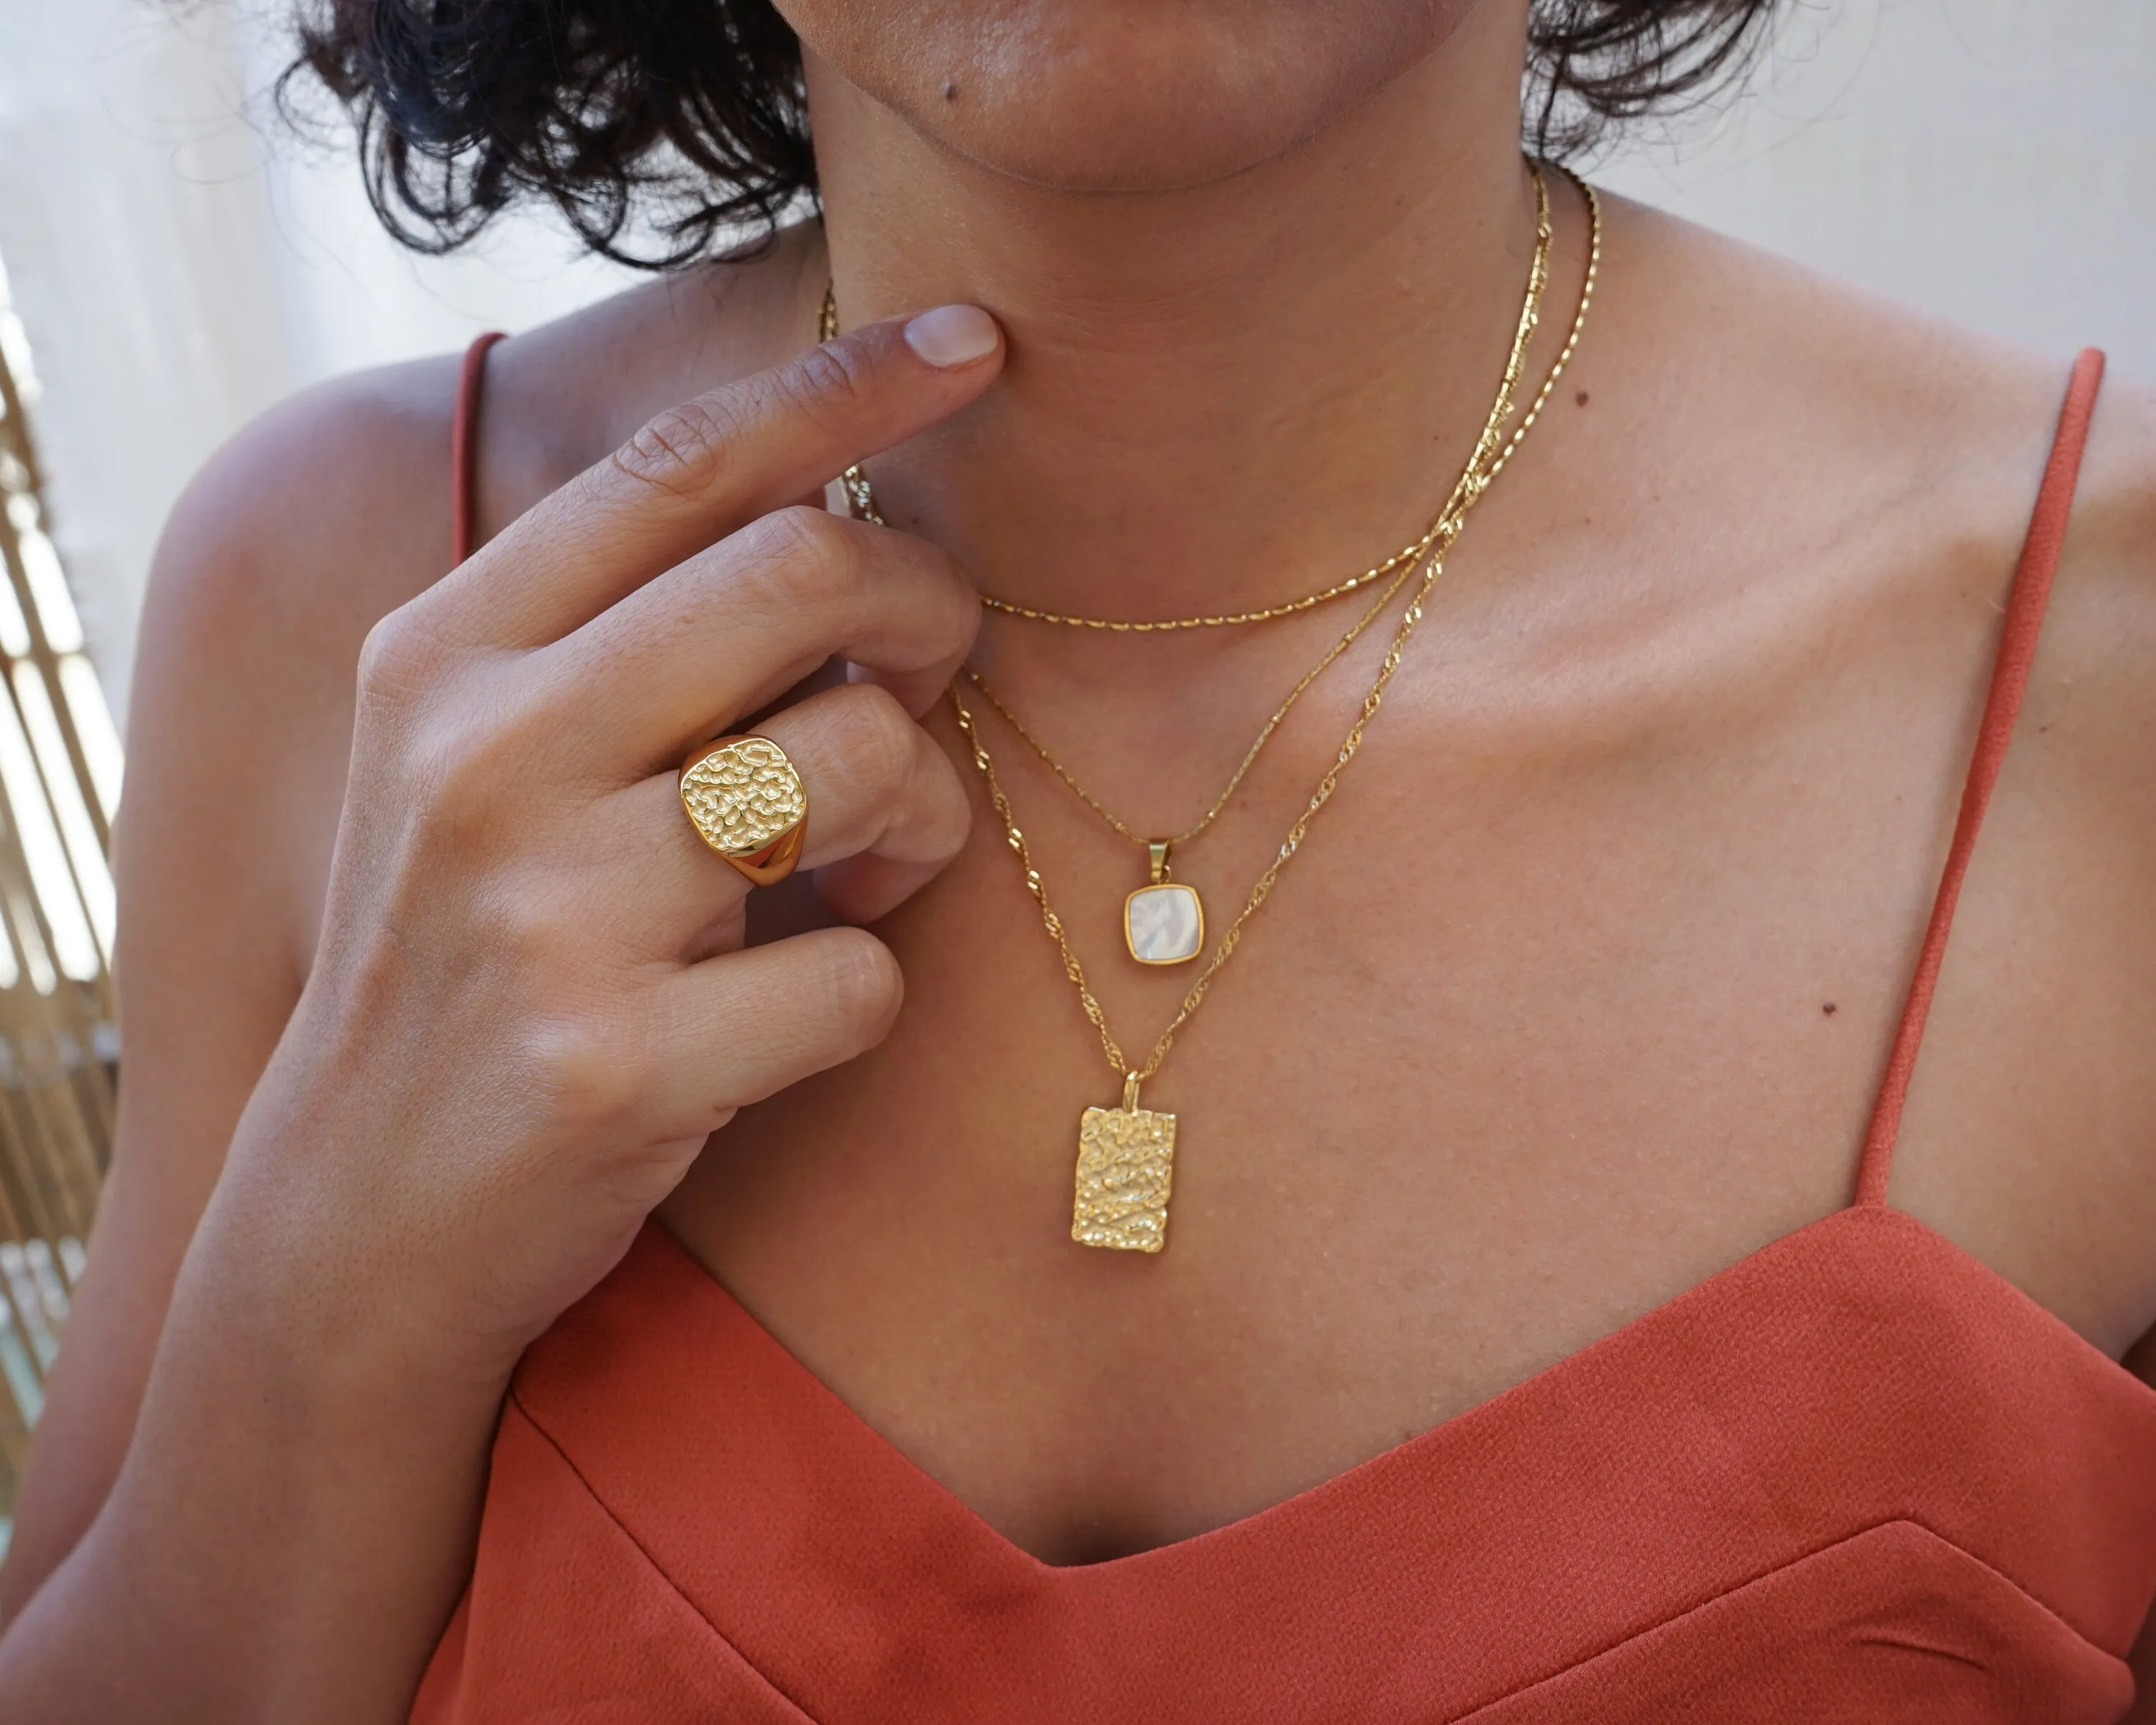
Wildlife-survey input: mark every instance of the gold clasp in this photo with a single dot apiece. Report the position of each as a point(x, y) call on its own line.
point(1156, 848)
point(1131, 1083)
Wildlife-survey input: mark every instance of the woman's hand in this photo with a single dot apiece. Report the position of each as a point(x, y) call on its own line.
point(532, 1002)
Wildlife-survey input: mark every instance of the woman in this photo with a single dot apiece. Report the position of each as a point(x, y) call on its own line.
point(1542, 1328)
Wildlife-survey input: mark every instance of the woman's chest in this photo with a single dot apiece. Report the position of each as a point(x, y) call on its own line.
point(1524, 1044)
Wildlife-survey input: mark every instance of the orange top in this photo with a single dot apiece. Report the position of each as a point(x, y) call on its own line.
point(1855, 1477)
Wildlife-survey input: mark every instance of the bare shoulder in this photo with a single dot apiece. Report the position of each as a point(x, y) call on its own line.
point(1840, 418)
point(1862, 477)
point(332, 504)
point(327, 512)
point(2100, 646)
point(335, 508)
point(2090, 725)
point(1758, 355)
point(1944, 438)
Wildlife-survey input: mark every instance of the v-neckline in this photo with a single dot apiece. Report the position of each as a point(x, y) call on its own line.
point(674, 1491)
point(1408, 1451)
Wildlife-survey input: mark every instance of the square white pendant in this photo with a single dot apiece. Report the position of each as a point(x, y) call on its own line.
point(1164, 924)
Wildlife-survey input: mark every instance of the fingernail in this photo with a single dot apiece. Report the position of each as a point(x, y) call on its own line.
point(952, 334)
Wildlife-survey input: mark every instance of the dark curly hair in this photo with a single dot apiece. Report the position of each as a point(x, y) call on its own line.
point(686, 119)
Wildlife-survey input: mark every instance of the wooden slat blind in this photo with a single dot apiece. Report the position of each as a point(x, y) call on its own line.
point(59, 782)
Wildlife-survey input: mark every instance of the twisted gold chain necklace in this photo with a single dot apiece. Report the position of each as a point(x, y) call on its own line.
point(1126, 1155)
point(1164, 919)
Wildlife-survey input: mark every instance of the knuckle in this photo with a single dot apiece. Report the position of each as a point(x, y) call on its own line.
point(860, 981)
point(946, 818)
point(396, 658)
point(455, 777)
point(583, 1075)
point(683, 450)
point(873, 737)
point(827, 383)
point(951, 597)
point(526, 929)
point(804, 552)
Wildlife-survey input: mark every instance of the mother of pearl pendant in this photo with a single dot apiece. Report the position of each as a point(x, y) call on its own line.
point(1164, 923)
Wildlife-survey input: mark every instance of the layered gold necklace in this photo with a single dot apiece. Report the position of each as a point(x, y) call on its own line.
point(1164, 919)
point(1126, 1164)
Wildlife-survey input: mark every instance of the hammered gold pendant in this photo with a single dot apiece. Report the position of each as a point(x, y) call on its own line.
point(1126, 1167)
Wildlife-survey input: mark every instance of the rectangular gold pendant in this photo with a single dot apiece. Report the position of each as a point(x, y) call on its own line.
point(1126, 1166)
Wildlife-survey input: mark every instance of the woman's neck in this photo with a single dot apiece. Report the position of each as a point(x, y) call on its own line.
point(1219, 396)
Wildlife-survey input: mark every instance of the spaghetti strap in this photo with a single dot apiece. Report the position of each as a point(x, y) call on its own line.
point(2009, 677)
point(464, 450)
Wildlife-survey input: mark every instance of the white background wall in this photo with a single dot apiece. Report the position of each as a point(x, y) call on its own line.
point(177, 266)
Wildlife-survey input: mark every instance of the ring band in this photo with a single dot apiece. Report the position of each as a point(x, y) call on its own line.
point(747, 802)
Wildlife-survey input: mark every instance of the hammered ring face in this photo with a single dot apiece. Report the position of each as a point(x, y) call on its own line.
point(748, 803)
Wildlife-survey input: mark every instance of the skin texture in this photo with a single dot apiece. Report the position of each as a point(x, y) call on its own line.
point(1534, 1035)
point(1119, 95)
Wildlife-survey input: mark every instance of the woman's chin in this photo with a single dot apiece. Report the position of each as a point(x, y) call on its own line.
point(1110, 96)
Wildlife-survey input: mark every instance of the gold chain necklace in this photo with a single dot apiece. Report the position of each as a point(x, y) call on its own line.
point(1126, 1155)
point(1164, 919)
point(861, 500)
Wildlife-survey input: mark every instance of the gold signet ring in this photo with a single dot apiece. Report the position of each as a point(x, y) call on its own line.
point(748, 803)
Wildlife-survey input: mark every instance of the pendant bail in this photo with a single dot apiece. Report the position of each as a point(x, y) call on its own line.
point(1131, 1083)
point(1156, 848)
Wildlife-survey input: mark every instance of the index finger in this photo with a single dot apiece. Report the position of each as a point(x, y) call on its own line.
point(702, 469)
